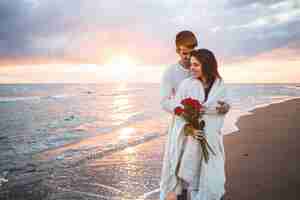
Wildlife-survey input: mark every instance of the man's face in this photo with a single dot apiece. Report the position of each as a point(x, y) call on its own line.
point(185, 55)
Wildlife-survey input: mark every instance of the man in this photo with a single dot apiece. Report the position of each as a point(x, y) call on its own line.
point(185, 41)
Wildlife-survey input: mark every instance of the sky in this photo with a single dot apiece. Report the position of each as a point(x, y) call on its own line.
point(92, 41)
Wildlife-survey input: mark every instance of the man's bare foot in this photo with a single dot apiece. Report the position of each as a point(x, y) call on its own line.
point(171, 196)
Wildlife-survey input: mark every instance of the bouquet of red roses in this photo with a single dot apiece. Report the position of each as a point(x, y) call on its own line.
point(192, 112)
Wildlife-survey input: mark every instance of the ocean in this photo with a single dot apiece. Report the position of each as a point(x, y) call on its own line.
point(38, 117)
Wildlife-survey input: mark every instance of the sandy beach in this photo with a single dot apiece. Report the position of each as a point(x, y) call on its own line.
point(262, 158)
point(261, 163)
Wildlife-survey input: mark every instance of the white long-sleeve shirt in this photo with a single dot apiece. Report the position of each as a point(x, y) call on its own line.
point(169, 85)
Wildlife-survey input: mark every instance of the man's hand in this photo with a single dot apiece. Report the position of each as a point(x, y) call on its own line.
point(223, 107)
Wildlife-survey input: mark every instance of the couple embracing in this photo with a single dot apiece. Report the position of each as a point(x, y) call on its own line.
point(193, 164)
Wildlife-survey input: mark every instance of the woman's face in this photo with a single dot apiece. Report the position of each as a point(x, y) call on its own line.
point(196, 68)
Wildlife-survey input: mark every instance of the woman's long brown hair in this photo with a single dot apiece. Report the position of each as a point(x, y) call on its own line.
point(209, 64)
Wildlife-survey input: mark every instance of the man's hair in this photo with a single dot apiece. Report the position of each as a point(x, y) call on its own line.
point(187, 39)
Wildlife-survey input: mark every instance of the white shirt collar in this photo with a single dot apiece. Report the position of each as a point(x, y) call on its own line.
point(183, 68)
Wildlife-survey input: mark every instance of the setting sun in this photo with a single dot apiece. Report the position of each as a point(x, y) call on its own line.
point(121, 66)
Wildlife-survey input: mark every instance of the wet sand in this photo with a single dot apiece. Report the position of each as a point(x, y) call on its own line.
point(263, 157)
point(261, 163)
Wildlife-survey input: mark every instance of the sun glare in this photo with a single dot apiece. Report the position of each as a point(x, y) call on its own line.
point(121, 66)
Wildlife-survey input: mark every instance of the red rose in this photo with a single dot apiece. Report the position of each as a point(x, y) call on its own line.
point(178, 110)
point(197, 105)
point(187, 101)
point(192, 102)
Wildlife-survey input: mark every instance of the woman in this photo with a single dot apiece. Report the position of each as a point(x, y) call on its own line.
point(183, 166)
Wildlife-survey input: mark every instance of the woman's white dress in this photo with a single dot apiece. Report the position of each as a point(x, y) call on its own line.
point(183, 157)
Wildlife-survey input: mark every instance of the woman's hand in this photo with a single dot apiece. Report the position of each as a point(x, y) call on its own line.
point(202, 110)
point(199, 135)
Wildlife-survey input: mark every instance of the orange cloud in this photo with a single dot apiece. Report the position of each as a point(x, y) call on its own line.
point(98, 46)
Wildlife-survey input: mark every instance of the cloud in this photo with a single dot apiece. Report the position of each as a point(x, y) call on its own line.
point(95, 30)
point(243, 3)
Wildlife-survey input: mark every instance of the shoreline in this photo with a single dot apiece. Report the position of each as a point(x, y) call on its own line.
point(233, 128)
